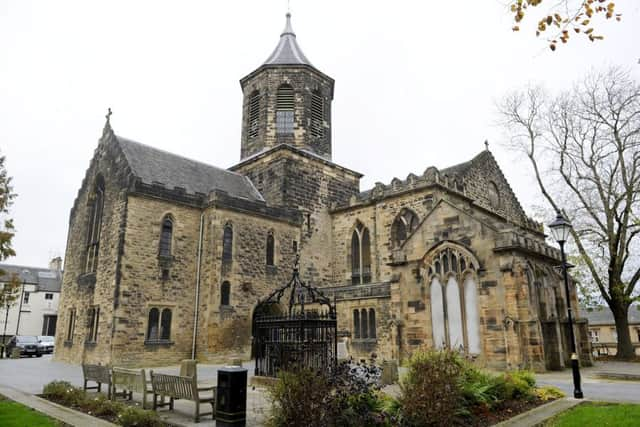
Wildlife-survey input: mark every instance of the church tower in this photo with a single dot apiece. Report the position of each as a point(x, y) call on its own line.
point(286, 101)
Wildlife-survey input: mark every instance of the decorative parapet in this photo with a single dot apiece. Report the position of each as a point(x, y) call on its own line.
point(352, 292)
point(510, 240)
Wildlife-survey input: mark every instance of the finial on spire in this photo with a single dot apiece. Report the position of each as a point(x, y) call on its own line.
point(108, 116)
point(107, 125)
point(486, 144)
point(288, 29)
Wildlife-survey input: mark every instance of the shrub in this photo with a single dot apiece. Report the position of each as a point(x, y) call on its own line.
point(100, 406)
point(64, 393)
point(480, 389)
point(431, 392)
point(130, 416)
point(518, 385)
point(549, 392)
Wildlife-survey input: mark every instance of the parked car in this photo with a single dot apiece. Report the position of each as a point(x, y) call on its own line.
point(46, 343)
point(28, 345)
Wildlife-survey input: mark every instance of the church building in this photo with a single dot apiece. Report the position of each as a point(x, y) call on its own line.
point(167, 257)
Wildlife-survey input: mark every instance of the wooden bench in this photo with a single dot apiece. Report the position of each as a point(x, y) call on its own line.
point(99, 374)
point(130, 380)
point(178, 387)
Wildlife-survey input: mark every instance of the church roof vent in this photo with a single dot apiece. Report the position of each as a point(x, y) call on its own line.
point(287, 52)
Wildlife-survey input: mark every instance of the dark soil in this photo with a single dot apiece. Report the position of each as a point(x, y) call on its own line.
point(605, 358)
point(506, 410)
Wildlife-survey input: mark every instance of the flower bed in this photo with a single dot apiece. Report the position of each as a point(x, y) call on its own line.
point(97, 405)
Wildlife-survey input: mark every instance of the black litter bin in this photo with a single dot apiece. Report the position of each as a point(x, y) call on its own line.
point(231, 398)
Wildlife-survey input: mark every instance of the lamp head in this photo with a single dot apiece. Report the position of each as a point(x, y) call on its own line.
point(560, 228)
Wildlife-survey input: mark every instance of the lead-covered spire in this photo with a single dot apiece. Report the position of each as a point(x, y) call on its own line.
point(287, 52)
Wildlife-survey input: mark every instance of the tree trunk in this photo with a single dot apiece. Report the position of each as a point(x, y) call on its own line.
point(620, 312)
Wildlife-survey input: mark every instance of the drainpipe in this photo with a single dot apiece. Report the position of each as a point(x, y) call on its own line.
point(195, 314)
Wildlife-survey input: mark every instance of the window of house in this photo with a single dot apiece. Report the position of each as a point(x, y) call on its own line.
point(403, 225)
point(285, 110)
point(317, 115)
point(295, 247)
point(594, 335)
point(48, 296)
point(25, 297)
point(638, 332)
point(225, 293)
point(93, 319)
point(95, 224)
point(254, 113)
point(360, 255)
point(166, 234)
point(71, 322)
point(356, 324)
point(159, 324)
point(614, 334)
point(270, 249)
point(227, 243)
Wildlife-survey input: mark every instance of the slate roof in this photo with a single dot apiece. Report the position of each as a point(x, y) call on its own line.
point(47, 280)
point(287, 52)
point(154, 166)
point(603, 315)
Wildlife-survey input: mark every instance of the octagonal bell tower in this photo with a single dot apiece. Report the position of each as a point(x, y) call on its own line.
point(286, 101)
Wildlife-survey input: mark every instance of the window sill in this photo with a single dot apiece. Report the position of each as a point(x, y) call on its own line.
point(68, 344)
point(271, 269)
point(365, 340)
point(90, 344)
point(158, 343)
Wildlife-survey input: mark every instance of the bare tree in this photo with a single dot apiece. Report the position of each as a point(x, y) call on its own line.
point(584, 148)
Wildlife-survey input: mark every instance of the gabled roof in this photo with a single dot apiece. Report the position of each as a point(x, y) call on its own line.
point(287, 52)
point(603, 315)
point(154, 166)
point(46, 279)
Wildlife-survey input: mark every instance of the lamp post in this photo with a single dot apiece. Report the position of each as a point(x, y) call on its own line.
point(560, 229)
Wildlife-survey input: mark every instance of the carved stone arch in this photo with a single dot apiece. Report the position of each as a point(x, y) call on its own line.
point(359, 253)
point(434, 253)
point(404, 224)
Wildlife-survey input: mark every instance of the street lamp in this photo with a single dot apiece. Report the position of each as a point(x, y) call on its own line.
point(560, 229)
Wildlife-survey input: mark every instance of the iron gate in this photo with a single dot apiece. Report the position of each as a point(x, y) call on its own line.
point(301, 334)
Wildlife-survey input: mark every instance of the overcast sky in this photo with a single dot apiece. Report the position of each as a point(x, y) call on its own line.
point(416, 85)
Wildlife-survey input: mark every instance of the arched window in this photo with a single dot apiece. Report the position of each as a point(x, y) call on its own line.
point(270, 248)
point(372, 323)
point(403, 225)
point(152, 326)
point(254, 113)
point(165, 237)
point(360, 255)
point(317, 115)
point(165, 324)
point(227, 243)
point(95, 224)
point(225, 293)
point(285, 104)
point(364, 324)
point(356, 324)
point(493, 195)
point(455, 311)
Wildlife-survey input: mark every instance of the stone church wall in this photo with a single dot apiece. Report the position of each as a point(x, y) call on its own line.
point(81, 291)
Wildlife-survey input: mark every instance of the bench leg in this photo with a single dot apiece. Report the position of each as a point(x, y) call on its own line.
point(99, 387)
point(155, 401)
point(171, 404)
point(197, 417)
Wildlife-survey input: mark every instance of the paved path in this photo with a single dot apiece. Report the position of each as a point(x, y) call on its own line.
point(29, 375)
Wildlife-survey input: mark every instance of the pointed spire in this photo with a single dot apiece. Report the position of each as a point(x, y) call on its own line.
point(287, 52)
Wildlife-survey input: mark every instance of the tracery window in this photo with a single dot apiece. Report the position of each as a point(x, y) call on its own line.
point(159, 324)
point(403, 225)
point(494, 195)
point(225, 293)
point(254, 113)
point(95, 224)
point(317, 115)
point(166, 235)
point(455, 314)
point(270, 249)
point(285, 104)
point(360, 255)
point(227, 243)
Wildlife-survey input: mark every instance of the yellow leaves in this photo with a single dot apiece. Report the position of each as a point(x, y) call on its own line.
point(580, 18)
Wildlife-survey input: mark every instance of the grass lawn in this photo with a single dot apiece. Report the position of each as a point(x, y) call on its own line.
point(13, 414)
point(598, 414)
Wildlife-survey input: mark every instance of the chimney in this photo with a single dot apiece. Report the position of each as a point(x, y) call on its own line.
point(55, 264)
